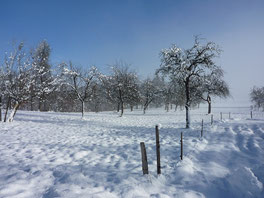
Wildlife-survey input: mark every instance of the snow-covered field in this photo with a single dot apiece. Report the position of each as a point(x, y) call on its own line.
point(61, 155)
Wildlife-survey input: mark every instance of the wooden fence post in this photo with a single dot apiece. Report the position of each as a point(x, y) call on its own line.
point(202, 129)
point(221, 116)
point(158, 150)
point(181, 147)
point(229, 115)
point(212, 119)
point(251, 114)
point(144, 158)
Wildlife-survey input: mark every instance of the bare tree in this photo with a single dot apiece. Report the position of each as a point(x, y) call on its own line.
point(133, 94)
point(121, 86)
point(213, 85)
point(178, 96)
point(151, 90)
point(108, 84)
point(19, 79)
point(188, 66)
point(257, 97)
point(80, 81)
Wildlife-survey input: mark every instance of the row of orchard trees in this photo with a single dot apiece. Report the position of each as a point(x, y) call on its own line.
point(185, 78)
point(25, 76)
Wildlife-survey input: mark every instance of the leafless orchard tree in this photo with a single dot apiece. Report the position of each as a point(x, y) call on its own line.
point(178, 96)
point(81, 82)
point(151, 90)
point(18, 78)
point(121, 86)
point(257, 97)
point(189, 66)
point(213, 85)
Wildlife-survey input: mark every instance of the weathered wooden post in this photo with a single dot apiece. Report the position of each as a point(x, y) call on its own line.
point(202, 129)
point(144, 158)
point(221, 116)
point(251, 114)
point(181, 147)
point(158, 150)
point(212, 119)
point(229, 115)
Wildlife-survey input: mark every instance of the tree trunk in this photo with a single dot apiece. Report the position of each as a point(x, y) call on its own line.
point(187, 104)
point(16, 110)
point(131, 107)
point(118, 107)
point(176, 106)
point(13, 113)
point(39, 104)
point(96, 107)
point(7, 106)
point(187, 116)
point(121, 102)
point(209, 104)
point(122, 109)
point(83, 108)
point(145, 108)
point(1, 108)
point(31, 103)
point(167, 107)
point(45, 106)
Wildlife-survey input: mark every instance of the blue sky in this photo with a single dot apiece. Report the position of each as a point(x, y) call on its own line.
point(99, 32)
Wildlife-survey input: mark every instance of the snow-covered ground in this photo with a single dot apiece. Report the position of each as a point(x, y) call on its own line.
point(61, 155)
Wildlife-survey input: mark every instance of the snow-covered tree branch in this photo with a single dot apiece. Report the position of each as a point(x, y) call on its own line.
point(186, 67)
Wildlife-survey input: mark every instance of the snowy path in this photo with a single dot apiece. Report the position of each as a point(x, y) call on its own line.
point(230, 164)
point(60, 155)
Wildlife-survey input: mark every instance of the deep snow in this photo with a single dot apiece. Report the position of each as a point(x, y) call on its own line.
point(61, 155)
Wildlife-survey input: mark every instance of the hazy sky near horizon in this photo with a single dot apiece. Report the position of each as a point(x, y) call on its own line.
point(99, 32)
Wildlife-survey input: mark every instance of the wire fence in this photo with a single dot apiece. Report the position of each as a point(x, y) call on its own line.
point(203, 123)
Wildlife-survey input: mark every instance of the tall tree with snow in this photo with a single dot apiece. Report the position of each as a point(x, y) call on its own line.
point(189, 66)
point(45, 84)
